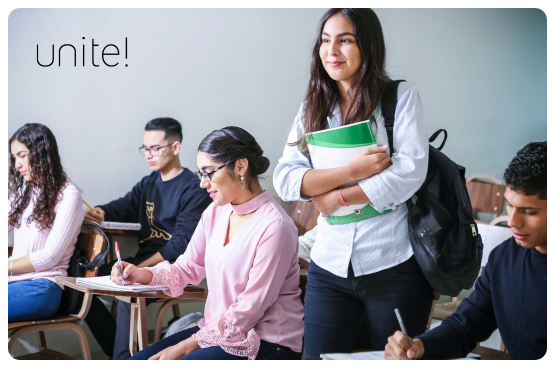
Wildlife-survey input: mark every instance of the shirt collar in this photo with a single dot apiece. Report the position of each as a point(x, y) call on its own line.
point(252, 205)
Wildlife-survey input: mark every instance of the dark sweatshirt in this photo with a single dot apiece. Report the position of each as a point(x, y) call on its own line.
point(510, 295)
point(168, 212)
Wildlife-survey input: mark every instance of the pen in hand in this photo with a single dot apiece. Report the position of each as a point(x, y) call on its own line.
point(119, 262)
point(398, 314)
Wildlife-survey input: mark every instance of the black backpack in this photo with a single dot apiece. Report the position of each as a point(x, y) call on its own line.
point(73, 299)
point(443, 234)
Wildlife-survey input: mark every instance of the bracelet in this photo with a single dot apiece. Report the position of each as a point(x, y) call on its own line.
point(341, 196)
point(11, 268)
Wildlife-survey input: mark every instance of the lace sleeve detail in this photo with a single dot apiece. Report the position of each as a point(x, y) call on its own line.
point(165, 274)
point(232, 339)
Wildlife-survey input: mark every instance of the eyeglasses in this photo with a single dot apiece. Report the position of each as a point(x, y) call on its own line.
point(208, 175)
point(154, 151)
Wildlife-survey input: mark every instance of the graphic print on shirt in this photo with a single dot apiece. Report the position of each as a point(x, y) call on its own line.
point(155, 231)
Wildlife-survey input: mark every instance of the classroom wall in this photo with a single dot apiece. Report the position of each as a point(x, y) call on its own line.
point(481, 74)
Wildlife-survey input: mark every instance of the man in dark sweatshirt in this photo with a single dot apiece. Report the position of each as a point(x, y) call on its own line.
point(168, 204)
point(511, 294)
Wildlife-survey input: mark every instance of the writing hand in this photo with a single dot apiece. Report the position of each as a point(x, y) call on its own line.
point(97, 216)
point(398, 348)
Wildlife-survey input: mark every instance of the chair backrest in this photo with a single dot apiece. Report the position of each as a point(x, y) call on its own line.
point(305, 215)
point(92, 243)
point(492, 234)
point(485, 197)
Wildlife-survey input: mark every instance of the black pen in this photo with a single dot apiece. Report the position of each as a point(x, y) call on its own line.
point(403, 327)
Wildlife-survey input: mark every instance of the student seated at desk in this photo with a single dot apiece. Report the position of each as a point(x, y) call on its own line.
point(511, 294)
point(168, 204)
point(44, 211)
point(246, 246)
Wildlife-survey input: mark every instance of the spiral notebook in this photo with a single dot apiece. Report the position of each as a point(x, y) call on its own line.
point(105, 282)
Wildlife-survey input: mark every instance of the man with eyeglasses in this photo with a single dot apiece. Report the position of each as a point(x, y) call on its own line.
point(168, 204)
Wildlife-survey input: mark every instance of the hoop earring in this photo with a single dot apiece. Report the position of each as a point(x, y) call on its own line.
point(242, 182)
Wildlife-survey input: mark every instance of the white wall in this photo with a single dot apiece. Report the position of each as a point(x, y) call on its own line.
point(481, 74)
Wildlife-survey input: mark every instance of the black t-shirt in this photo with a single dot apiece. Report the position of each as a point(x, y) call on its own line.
point(168, 212)
point(510, 295)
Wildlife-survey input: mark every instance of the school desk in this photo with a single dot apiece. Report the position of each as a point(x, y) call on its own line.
point(138, 329)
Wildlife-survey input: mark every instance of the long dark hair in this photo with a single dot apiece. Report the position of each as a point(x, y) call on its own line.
point(369, 83)
point(47, 177)
point(230, 144)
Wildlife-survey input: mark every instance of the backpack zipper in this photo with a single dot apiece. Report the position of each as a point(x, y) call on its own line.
point(474, 233)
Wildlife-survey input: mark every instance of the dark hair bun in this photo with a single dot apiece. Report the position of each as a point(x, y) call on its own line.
point(260, 165)
point(230, 144)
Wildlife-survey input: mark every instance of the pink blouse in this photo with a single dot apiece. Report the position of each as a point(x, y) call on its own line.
point(253, 281)
point(49, 250)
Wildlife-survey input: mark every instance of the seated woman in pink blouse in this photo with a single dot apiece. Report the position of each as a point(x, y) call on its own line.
point(247, 248)
point(45, 212)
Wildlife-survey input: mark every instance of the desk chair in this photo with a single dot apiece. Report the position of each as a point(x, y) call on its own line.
point(166, 304)
point(485, 197)
point(93, 243)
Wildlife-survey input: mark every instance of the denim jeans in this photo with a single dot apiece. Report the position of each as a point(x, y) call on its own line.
point(32, 300)
point(334, 307)
point(268, 351)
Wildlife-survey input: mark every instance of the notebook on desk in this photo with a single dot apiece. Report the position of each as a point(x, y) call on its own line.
point(105, 282)
point(120, 225)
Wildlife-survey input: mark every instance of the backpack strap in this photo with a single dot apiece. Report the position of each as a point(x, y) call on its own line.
point(100, 257)
point(389, 104)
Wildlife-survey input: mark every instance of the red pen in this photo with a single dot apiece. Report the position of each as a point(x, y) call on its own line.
point(119, 262)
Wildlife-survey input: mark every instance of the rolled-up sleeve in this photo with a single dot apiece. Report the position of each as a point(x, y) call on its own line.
point(404, 177)
point(290, 170)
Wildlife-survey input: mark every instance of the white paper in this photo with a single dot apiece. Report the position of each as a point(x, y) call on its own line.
point(365, 355)
point(105, 282)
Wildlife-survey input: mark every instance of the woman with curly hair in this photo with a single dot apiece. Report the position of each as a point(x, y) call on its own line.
point(45, 212)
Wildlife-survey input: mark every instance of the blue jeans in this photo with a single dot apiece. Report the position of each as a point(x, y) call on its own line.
point(33, 300)
point(268, 351)
point(334, 307)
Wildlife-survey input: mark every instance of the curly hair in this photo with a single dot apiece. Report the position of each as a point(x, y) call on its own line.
point(48, 177)
point(527, 172)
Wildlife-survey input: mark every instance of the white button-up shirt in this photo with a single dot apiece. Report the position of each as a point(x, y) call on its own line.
point(380, 242)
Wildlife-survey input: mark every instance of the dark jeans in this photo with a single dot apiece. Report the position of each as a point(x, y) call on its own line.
point(267, 351)
point(334, 307)
point(100, 320)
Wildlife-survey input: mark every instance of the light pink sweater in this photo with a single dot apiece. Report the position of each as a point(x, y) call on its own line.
point(49, 250)
point(253, 281)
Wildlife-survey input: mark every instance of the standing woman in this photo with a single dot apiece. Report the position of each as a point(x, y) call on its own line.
point(45, 212)
point(246, 246)
point(364, 267)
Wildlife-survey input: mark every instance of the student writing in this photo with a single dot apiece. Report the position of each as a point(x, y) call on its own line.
point(246, 246)
point(511, 294)
point(168, 203)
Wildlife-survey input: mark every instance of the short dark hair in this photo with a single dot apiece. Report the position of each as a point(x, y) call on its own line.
point(170, 127)
point(230, 144)
point(527, 172)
